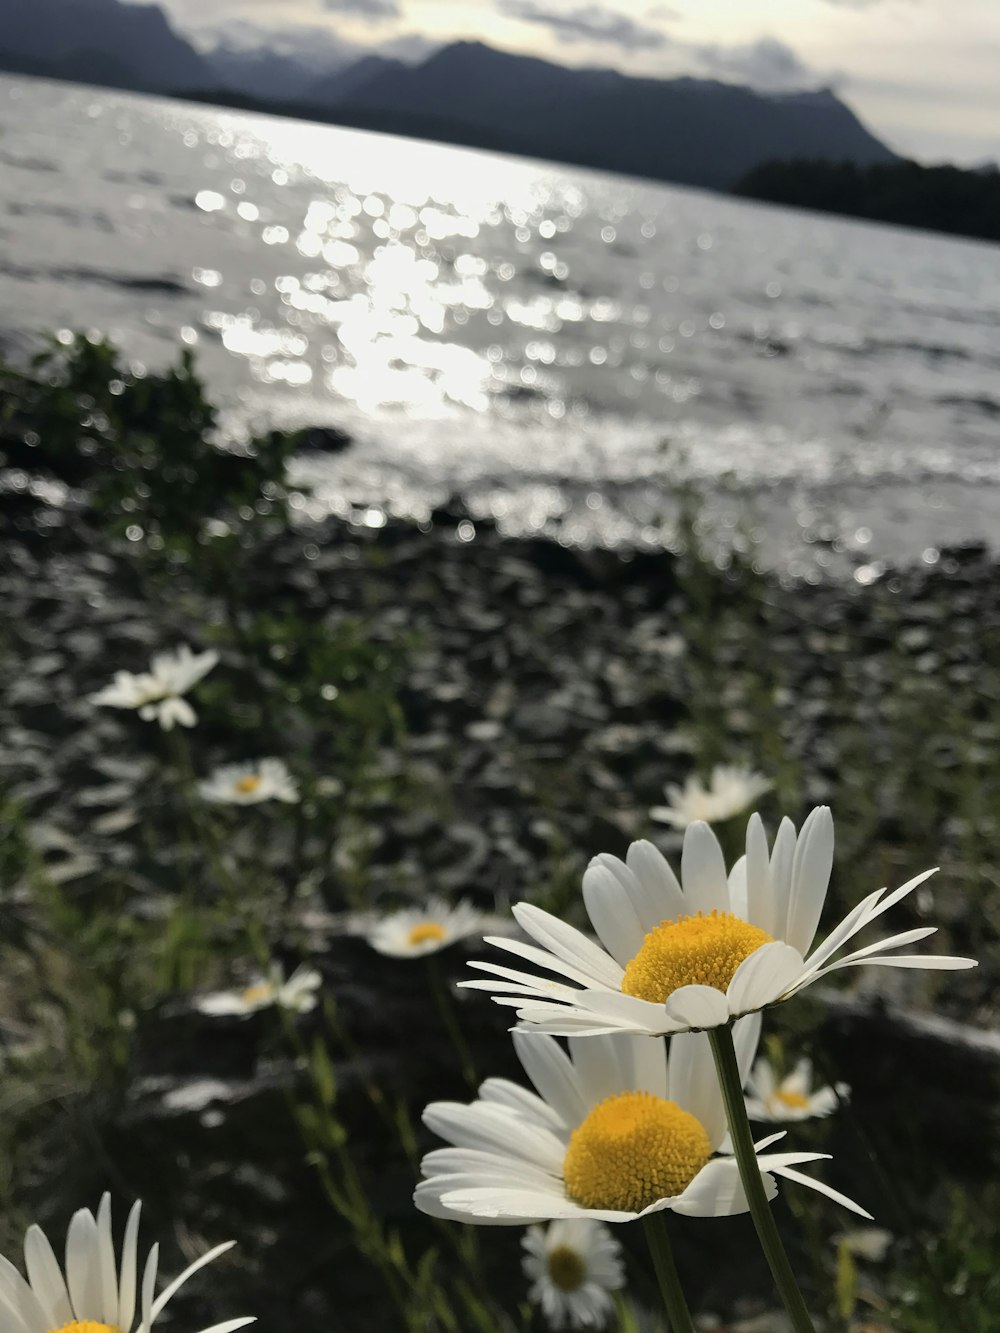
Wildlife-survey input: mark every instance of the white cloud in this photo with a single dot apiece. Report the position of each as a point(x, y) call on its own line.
point(589, 23)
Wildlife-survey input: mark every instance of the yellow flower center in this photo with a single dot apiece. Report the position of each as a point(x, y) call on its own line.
point(86, 1326)
point(566, 1269)
point(633, 1149)
point(692, 951)
point(793, 1100)
point(248, 784)
point(426, 931)
point(263, 990)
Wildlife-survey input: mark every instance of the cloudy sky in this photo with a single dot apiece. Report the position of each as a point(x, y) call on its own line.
point(921, 73)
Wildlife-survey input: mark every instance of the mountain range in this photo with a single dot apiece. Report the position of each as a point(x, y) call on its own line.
point(694, 131)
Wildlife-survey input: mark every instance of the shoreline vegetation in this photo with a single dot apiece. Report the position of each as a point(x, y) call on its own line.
point(942, 199)
point(471, 717)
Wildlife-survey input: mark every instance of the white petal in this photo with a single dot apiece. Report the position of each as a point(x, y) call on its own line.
point(551, 1071)
point(644, 1063)
point(738, 889)
point(660, 896)
point(703, 871)
point(106, 1256)
point(494, 1129)
point(474, 1162)
point(746, 1038)
point(763, 977)
point(515, 1206)
point(22, 1303)
point(856, 920)
point(572, 946)
point(696, 1007)
point(172, 1288)
point(597, 1066)
point(694, 1084)
point(611, 913)
point(427, 1199)
point(820, 1188)
point(504, 1093)
point(717, 1191)
point(126, 1280)
point(811, 867)
point(782, 855)
point(229, 1325)
point(83, 1272)
point(931, 962)
point(46, 1278)
point(584, 961)
point(148, 1287)
point(760, 899)
point(529, 979)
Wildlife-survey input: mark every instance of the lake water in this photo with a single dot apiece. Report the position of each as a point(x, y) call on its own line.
point(560, 347)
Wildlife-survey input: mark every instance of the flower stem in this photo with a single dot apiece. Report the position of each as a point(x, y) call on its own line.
point(724, 1052)
point(678, 1314)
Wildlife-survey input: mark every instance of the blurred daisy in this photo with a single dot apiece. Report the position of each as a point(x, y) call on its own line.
point(249, 784)
point(157, 693)
point(92, 1297)
point(298, 994)
point(686, 959)
point(731, 790)
point(414, 932)
point(615, 1131)
point(791, 1099)
point(573, 1266)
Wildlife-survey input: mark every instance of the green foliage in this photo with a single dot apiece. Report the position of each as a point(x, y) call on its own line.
point(143, 448)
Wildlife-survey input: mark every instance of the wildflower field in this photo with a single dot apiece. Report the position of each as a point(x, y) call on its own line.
point(268, 778)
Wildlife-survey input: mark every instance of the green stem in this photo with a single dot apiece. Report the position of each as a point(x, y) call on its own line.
point(441, 992)
point(753, 1185)
point(678, 1314)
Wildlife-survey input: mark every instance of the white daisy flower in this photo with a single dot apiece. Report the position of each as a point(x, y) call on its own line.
point(731, 789)
point(573, 1266)
point(614, 1133)
point(298, 994)
point(793, 1098)
point(250, 783)
point(416, 931)
point(95, 1295)
point(157, 693)
point(687, 959)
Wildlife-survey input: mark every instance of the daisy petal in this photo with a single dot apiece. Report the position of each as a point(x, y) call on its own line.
point(660, 896)
point(763, 977)
point(703, 871)
point(611, 913)
point(696, 1007)
point(172, 1288)
point(46, 1278)
point(551, 1071)
point(717, 1191)
point(811, 867)
point(820, 1188)
point(694, 1084)
point(569, 945)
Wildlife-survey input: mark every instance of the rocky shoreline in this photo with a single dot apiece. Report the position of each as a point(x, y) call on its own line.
point(545, 696)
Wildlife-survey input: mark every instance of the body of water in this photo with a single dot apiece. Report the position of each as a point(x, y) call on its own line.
point(561, 347)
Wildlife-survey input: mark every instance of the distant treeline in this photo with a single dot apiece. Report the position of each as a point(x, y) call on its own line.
point(964, 203)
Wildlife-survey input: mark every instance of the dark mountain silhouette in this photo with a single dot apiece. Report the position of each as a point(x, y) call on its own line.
point(261, 74)
point(698, 132)
point(343, 85)
point(695, 131)
point(99, 41)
